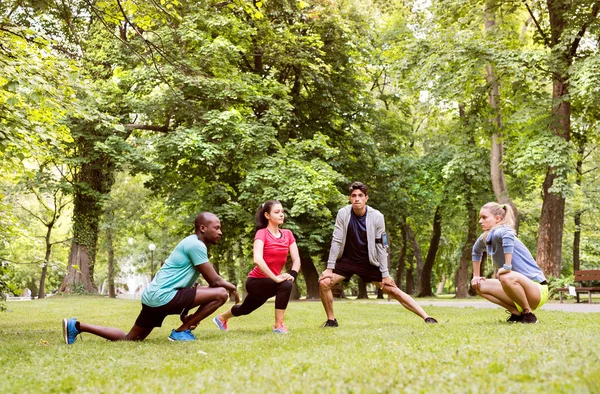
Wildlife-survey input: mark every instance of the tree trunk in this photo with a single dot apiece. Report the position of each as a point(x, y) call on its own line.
point(362, 290)
point(416, 248)
point(410, 278)
point(110, 276)
point(295, 292)
point(410, 282)
point(402, 256)
point(440, 286)
point(42, 293)
point(231, 276)
point(311, 276)
point(80, 268)
point(581, 142)
point(94, 179)
point(431, 253)
point(462, 277)
point(462, 273)
point(577, 242)
point(497, 148)
point(550, 232)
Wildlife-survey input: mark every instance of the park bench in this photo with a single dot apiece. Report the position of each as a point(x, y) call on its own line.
point(581, 277)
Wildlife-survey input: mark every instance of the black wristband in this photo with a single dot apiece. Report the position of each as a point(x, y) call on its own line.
point(294, 273)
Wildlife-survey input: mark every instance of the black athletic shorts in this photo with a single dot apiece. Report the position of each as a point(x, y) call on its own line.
point(151, 316)
point(367, 272)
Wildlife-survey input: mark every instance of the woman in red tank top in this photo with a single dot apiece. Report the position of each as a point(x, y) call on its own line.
point(271, 247)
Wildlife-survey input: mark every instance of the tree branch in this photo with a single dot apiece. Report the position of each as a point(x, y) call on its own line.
point(60, 242)
point(537, 24)
point(32, 214)
point(163, 129)
point(577, 40)
point(30, 40)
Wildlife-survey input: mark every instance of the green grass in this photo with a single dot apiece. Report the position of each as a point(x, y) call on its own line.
point(379, 347)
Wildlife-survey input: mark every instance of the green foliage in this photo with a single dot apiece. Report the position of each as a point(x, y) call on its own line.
point(36, 90)
point(4, 285)
point(301, 178)
point(222, 105)
point(557, 283)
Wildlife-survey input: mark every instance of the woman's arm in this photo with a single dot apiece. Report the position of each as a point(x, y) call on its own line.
point(295, 254)
point(476, 268)
point(477, 278)
point(507, 264)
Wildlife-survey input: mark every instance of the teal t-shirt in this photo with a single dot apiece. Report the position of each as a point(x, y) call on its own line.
point(178, 272)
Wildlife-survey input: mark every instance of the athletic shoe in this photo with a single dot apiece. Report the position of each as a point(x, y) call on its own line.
point(282, 329)
point(515, 318)
point(220, 323)
point(330, 323)
point(181, 335)
point(528, 318)
point(430, 320)
point(70, 331)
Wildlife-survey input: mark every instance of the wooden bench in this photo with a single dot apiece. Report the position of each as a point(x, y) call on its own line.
point(581, 277)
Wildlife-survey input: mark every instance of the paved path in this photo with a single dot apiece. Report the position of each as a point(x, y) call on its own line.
point(551, 306)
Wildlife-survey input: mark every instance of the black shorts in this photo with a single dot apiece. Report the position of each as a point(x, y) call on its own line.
point(367, 272)
point(151, 316)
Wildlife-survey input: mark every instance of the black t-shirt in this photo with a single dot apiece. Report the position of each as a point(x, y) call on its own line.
point(356, 248)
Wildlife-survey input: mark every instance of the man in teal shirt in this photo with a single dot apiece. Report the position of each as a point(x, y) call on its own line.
point(174, 290)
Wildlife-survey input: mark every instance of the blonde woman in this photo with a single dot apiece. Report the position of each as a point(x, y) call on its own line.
point(521, 286)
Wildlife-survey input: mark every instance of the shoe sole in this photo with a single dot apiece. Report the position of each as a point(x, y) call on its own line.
point(176, 340)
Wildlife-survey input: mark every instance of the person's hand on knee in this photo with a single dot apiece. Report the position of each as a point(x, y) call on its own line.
point(326, 278)
point(387, 282)
point(476, 282)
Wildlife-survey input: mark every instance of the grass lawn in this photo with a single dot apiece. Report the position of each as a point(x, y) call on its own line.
point(379, 347)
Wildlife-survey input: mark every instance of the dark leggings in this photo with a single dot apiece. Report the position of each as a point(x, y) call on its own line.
point(259, 291)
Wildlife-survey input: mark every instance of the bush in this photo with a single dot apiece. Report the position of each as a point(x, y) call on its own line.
point(557, 283)
point(4, 289)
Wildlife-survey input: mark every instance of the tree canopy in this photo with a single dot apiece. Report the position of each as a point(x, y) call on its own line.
point(142, 114)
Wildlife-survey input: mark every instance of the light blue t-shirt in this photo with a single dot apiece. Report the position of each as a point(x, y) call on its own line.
point(178, 272)
point(501, 240)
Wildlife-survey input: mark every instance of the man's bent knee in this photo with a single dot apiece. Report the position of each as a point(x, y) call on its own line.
point(222, 295)
point(326, 285)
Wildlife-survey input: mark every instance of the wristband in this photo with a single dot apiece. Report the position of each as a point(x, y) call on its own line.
point(294, 273)
point(507, 267)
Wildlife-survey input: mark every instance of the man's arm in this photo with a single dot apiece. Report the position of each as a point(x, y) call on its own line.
point(382, 251)
point(336, 240)
point(214, 280)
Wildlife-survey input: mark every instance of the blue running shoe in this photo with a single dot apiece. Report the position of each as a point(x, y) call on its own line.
point(220, 323)
point(182, 336)
point(70, 331)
